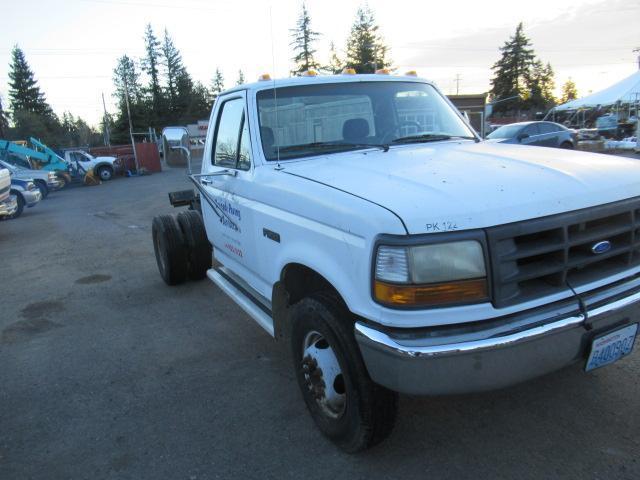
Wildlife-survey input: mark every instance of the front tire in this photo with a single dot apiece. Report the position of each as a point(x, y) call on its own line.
point(42, 186)
point(170, 249)
point(346, 405)
point(567, 145)
point(20, 200)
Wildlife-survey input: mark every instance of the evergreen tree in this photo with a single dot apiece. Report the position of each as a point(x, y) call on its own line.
point(171, 60)
point(541, 85)
point(150, 65)
point(217, 85)
point(336, 65)
point(24, 92)
point(512, 73)
point(126, 72)
point(241, 80)
point(303, 39)
point(4, 123)
point(366, 51)
point(569, 91)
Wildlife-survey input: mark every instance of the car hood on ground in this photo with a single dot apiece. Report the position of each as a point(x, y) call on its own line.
point(463, 185)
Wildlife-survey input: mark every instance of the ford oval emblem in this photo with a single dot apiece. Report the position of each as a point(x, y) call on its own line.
point(601, 247)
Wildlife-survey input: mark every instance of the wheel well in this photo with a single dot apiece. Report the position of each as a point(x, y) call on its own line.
point(296, 282)
point(103, 165)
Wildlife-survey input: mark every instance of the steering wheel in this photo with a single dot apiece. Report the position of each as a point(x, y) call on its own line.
point(407, 123)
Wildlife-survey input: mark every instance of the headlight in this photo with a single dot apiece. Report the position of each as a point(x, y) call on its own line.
point(52, 177)
point(428, 275)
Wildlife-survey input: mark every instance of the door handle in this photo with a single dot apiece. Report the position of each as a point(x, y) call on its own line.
point(204, 181)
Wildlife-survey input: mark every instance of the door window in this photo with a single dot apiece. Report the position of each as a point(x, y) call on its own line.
point(232, 146)
point(548, 128)
point(532, 130)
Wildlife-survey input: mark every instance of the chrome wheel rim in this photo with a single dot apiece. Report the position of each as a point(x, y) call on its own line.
point(105, 174)
point(322, 374)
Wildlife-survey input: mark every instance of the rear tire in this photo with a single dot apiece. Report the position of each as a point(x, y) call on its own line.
point(199, 249)
point(170, 249)
point(105, 173)
point(346, 405)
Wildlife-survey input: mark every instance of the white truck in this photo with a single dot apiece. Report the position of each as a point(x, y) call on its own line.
point(103, 167)
point(363, 221)
point(8, 202)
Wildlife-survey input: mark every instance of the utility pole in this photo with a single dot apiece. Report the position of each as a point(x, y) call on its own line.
point(457, 80)
point(105, 122)
point(133, 143)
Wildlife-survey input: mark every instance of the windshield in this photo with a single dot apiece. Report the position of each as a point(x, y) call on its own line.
point(335, 117)
point(506, 131)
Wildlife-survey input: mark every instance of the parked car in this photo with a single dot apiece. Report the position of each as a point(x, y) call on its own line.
point(540, 134)
point(26, 194)
point(8, 202)
point(362, 221)
point(44, 180)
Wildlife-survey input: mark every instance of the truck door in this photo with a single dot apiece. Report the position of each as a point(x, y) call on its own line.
point(228, 160)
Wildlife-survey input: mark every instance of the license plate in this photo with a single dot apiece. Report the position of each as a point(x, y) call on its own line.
point(611, 347)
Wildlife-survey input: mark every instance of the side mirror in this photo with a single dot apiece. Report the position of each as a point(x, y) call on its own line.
point(522, 136)
point(176, 147)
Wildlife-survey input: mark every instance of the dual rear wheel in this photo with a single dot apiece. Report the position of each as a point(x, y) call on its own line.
point(181, 247)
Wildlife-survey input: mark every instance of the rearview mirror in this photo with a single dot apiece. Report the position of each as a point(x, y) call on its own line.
point(176, 147)
point(522, 136)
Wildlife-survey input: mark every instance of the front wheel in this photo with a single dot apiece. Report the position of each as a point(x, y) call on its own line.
point(20, 200)
point(346, 405)
point(567, 145)
point(42, 186)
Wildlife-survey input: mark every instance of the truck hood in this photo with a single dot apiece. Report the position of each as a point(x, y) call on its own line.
point(463, 185)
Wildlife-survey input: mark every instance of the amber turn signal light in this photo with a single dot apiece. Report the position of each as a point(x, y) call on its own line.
point(462, 291)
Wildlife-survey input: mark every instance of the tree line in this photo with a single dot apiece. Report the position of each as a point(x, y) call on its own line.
point(160, 91)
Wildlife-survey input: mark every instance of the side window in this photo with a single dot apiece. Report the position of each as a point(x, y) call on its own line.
point(548, 128)
point(225, 152)
point(532, 130)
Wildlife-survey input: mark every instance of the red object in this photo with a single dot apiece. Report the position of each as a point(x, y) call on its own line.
point(148, 156)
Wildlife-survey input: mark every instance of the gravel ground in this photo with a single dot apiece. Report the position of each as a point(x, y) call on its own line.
point(108, 373)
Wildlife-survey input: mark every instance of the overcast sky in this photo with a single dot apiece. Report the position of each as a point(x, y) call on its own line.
point(72, 45)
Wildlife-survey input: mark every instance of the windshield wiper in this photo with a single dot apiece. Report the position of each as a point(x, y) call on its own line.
point(331, 146)
point(429, 137)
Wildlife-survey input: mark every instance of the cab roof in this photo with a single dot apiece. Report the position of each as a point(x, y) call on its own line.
point(322, 79)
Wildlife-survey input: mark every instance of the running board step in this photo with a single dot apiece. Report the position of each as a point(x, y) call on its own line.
point(244, 301)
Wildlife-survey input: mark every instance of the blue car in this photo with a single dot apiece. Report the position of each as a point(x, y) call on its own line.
point(543, 134)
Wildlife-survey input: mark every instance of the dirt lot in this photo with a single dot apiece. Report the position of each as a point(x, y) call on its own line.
point(108, 373)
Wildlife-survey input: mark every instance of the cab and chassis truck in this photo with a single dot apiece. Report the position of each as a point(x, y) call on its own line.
point(362, 220)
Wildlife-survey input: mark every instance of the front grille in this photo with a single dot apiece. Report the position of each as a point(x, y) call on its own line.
point(544, 256)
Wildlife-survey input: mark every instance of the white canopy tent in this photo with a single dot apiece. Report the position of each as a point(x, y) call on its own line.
point(625, 91)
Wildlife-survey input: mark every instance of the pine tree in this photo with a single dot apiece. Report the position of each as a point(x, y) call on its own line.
point(512, 73)
point(540, 87)
point(217, 85)
point(336, 65)
point(171, 60)
point(126, 72)
point(150, 65)
point(366, 51)
point(240, 80)
point(303, 39)
point(4, 123)
point(569, 91)
point(24, 93)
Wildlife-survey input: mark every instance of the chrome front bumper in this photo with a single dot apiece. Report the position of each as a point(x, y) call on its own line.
point(490, 355)
point(8, 207)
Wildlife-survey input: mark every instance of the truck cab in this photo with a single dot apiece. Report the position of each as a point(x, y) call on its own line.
point(360, 219)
